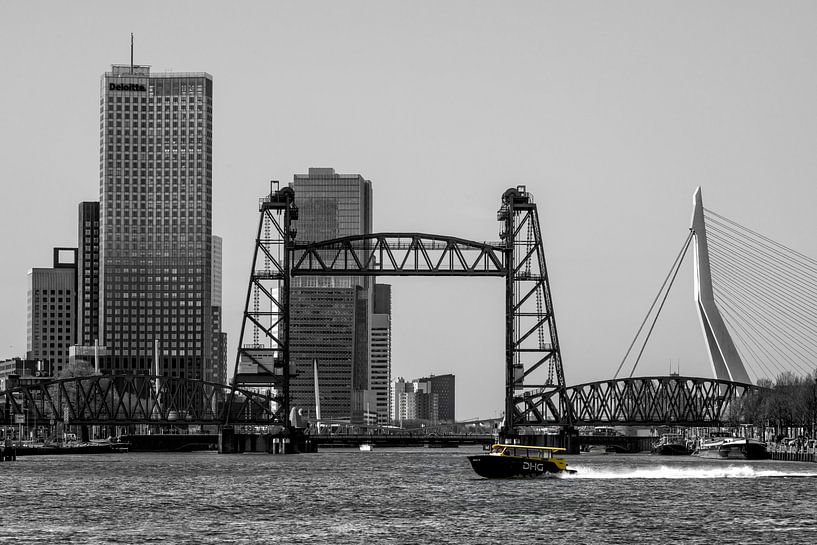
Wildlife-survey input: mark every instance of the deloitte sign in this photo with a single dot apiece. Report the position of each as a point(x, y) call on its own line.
point(126, 87)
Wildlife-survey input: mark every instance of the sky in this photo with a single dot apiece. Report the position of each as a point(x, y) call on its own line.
point(610, 113)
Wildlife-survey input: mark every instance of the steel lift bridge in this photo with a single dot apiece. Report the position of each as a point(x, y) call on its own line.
point(533, 366)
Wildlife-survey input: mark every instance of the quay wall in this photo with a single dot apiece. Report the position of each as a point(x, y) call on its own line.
point(792, 454)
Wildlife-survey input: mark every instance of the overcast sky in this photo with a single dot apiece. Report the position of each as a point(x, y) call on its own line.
point(611, 113)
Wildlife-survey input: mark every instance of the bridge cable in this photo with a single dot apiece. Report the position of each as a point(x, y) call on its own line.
point(782, 308)
point(768, 288)
point(745, 313)
point(736, 331)
point(675, 264)
point(735, 317)
point(805, 274)
point(780, 304)
point(664, 300)
point(765, 238)
point(669, 279)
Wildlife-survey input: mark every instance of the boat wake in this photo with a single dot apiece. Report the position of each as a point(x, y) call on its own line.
point(664, 472)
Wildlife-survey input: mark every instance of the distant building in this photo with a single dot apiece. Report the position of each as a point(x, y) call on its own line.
point(429, 398)
point(25, 371)
point(51, 316)
point(397, 401)
point(217, 371)
point(330, 316)
point(87, 355)
point(443, 387)
point(380, 352)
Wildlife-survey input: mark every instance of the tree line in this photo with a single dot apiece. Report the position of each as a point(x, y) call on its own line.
point(787, 404)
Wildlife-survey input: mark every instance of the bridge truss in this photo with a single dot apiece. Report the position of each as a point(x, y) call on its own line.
point(532, 356)
point(134, 399)
point(659, 400)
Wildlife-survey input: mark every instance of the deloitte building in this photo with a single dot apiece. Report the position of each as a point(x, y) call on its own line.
point(155, 195)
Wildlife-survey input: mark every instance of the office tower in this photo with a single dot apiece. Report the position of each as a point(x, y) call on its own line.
point(88, 274)
point(380, 352)
point(156, 220)
point(218, 368)
point(443, 387)
point(51, 316)
point(329, 318)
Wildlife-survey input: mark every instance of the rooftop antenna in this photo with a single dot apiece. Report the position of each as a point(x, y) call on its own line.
point(131, 52)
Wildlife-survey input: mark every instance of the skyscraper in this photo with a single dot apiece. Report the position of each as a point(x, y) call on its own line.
point(330, 315)
point(156, 219)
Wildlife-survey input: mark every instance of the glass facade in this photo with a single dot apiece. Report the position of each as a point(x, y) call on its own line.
point(330, 315)
point(156, 220)
point(88, 274)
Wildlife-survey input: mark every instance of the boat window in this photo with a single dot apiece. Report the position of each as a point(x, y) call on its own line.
point(534, 453)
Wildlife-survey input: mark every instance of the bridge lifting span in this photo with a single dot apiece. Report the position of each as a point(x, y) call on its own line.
point(532, 356)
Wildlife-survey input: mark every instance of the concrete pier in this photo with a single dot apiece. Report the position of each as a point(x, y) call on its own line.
point(232, 442)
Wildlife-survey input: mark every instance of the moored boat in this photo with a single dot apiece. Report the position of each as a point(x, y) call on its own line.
point(507, 461)
point(366, 447)
point(672, 444)
point(732, 448)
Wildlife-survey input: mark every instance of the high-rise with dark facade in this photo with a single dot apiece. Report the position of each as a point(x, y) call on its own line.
point(155, 201)
point(51, 324)
point(330, 315)
point(88, 274)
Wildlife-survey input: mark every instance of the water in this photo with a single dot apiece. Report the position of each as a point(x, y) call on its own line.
point(403, 496)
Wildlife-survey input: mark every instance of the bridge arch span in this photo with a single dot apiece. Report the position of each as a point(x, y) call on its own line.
point(654, 400)
point(135, 399)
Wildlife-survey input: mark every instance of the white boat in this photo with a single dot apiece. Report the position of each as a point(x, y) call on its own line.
point(366, 447)
point(733, 448)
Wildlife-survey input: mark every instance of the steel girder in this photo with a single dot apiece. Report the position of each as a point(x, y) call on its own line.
point(136, 399)
point(673, 400)
point(261, 360)
point(533, 359)
point(398, 254)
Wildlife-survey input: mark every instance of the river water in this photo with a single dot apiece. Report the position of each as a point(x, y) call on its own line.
point(404, 496)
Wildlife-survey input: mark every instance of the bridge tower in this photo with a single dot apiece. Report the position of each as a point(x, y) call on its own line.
point(531, 339)
point(262, 361)
point(724, 357)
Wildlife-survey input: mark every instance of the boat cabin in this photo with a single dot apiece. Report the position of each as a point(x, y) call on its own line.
point(522, 451)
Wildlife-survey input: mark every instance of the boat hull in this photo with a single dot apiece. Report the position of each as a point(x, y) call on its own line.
point(506, 467)
point(672, 450)
point(736, 450)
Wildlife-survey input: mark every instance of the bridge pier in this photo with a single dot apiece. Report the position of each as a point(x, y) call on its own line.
point(236, 441)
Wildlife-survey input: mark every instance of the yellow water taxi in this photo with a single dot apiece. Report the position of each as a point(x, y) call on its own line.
point(507, 461)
